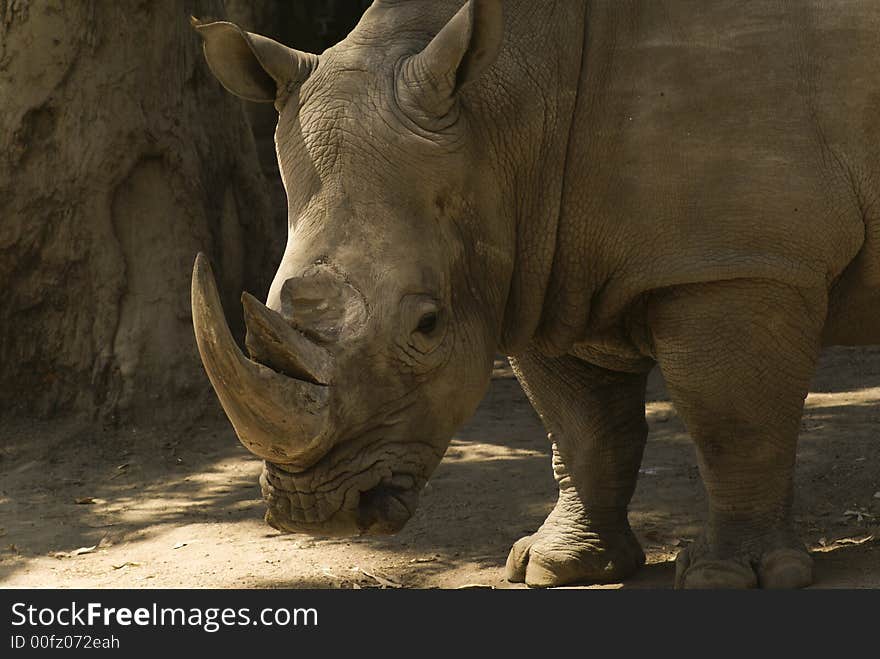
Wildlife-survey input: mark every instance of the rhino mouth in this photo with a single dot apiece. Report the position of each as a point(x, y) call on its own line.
point(387, 507)
point(376, 501)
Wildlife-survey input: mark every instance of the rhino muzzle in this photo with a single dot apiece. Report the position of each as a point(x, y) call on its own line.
point(375, 501)
point(277, 401)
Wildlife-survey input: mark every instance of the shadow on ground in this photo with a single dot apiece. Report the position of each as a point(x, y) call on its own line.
point(182, 507)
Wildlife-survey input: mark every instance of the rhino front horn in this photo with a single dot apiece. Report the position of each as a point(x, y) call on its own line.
point(278, 418)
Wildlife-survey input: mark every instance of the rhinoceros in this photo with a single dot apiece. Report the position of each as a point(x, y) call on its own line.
point(592, 188)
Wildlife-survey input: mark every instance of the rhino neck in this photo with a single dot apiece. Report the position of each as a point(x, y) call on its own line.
point(529, 114)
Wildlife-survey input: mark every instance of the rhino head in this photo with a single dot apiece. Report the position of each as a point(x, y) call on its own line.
point(377, 338)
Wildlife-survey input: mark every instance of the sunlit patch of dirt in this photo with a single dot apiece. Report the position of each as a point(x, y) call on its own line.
point(183, 509)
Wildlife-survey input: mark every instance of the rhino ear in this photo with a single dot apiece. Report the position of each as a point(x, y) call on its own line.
point(251, 66)
point(466, 46)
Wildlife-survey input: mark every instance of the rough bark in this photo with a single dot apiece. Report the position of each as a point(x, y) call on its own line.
point(120, 158)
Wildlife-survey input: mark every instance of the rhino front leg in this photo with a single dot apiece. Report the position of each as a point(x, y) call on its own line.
point(596, 421)
point(738, 357)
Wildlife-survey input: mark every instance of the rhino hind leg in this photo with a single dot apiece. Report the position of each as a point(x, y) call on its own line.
point(596, 422)
point(738, 357)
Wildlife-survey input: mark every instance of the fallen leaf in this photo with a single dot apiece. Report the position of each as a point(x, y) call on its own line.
point(84, 501)
point(427, 559)
point(126, 564)
point(335, 580)
point(382, 581)
point(122, 469)
point(179, 545)
point(83, 550)
point(854, 541)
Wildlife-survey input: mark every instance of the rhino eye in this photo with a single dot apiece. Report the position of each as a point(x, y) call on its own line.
point(424, 321)
point(427, 323)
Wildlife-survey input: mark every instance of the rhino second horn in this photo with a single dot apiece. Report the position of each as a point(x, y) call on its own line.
point(271, 341)
point(280, 419)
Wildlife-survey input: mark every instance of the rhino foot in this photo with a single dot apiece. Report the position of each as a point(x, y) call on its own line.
point(775, 565)
point(561, 555)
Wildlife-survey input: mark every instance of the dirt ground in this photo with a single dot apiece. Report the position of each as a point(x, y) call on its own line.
point(141, 508)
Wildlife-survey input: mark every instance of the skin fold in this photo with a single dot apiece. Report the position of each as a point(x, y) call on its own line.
point(592, 189)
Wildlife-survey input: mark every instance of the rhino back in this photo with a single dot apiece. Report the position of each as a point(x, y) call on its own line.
point(716, 141)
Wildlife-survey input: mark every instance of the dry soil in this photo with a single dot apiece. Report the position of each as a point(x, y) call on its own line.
point(182, 508)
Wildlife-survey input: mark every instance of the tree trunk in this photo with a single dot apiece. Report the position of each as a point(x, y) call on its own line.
point(120, 158)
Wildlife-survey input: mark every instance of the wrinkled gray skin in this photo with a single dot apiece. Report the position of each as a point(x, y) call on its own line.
point(591, 188)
